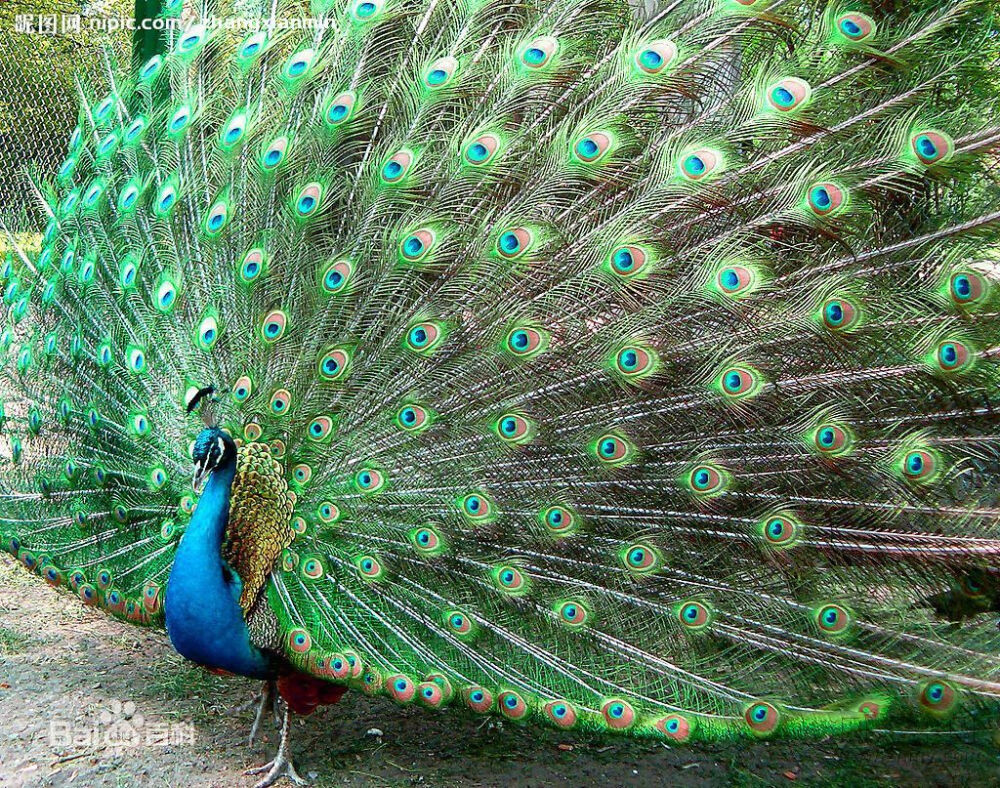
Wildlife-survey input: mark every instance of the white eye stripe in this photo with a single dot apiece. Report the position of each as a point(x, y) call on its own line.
point(220, 444)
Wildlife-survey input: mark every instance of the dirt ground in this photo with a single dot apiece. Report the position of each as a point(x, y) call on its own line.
point(90, 701)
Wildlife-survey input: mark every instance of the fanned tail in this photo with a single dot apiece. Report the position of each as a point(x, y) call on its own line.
point(630, 373)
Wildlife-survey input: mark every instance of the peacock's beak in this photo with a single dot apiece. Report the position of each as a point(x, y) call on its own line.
point(200, 474)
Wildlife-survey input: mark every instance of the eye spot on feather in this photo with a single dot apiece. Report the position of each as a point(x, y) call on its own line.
point(218, 217)
point(640, 558)
point(242, 389)
point(369, 480)
point(572, 613)
point(425, 337)
point(252, 265)
point(510, 580)
point(179, 121)
point(966, 288)
point(151, 599)
point(512, 705)
point(592, 148)
point(613, 450)
point(103, 110)
point(86, 592)
point(460, 624)
point(274, 154)
point(788, 95)
point(337, 276)
point(635, 362)
point(780, 531)
point(707, 480)
point(700, 164)
point(931, 147)
point(299, 641)
point(320, 428)
point(251, 47)
point(762, 718)
point(514, 242)
point(166, 200)
point(514, 429)
point(855, 27)
point(341, 109)
point(328, 512)
point(412, 418)
point(832, 620)
point(832, 439)
point(953, 356)
point(234, 131)
point(273, 326)
point(482, 150)
point(560, 713)
point(416, 246)
point(128, 199)
point(628, 262)
point(299, 64)
point(478, 699)
point(281, 402)
point(618, 714)
point(309, 200)
point(366, 10)
point(840, 314)
point(937, 698)
point(539, 52)
point(826, 199)
point(735, 280)
point(525, 342)
point(694, 615)
point(149, 72)
point(559, 520)
point(675, 727)
point(401, 688)
point(334, 364)
point(430, 694)
point(192, 40)
point(397, 167)
point(369, 567)
point(919, 466)
point(440, 73)
point(476, 507)
point(654, 57)
point(426, 540)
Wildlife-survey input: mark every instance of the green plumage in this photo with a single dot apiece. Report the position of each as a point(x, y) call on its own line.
point(631, 371)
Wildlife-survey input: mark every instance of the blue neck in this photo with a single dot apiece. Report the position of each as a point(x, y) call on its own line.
point(204, 619)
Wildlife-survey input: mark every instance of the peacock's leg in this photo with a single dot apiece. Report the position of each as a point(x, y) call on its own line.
point(265, 701)
point(281, 766)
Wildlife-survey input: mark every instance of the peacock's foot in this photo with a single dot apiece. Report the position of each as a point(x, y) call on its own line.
point(276, 769)
point(266, 700)
point(281, 766)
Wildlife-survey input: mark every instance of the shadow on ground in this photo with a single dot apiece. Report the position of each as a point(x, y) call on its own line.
point(67, 670)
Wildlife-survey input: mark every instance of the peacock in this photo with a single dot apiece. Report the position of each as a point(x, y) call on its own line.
point(610, 368)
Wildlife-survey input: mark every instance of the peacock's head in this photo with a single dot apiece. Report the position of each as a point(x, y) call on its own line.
point(213, 447)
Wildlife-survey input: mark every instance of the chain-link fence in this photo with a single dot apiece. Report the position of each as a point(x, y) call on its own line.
point(45, 47)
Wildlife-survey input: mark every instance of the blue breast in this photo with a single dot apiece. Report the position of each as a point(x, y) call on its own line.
point(204, 620)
